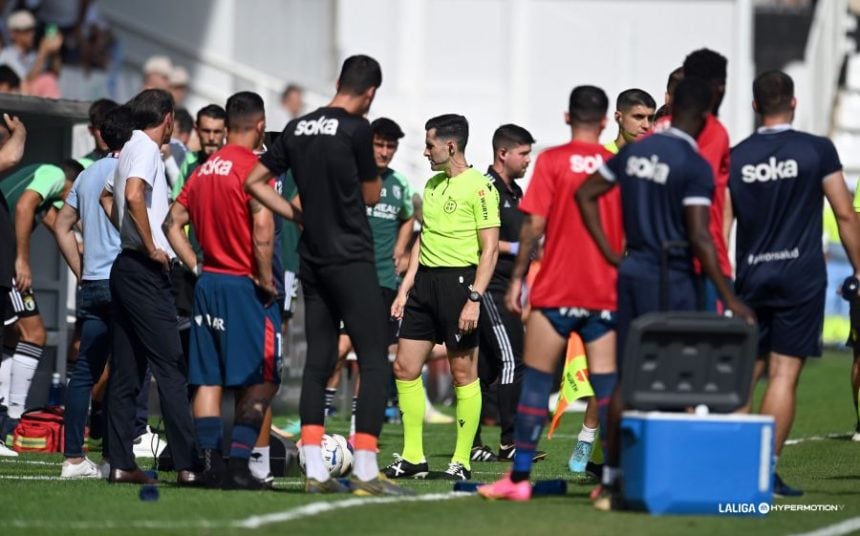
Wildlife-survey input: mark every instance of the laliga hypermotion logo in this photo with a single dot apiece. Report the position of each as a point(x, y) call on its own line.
point(743, 508)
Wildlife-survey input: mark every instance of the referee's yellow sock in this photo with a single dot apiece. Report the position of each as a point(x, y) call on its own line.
point(468, 417)
point(410, 395)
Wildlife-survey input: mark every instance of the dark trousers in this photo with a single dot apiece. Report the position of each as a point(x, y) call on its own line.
point(501, 358)
point(146, 333)
point(94, 310)
point(349, 292)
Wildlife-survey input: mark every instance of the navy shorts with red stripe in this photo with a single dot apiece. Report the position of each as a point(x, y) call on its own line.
point(235, 334)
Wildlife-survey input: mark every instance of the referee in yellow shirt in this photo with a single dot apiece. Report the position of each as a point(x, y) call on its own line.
point(440, 298)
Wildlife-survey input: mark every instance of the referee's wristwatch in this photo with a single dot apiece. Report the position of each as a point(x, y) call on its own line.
point(475, 296)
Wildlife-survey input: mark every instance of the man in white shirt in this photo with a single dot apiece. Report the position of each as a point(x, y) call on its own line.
point(145, 327)
point(22, 55)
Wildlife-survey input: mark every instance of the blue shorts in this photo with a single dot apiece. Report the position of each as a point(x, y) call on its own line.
point(791, 330)
point(590, 325)
point(235, 337)
point(639, 294)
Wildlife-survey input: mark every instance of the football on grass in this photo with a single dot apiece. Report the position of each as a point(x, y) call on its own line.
point(336, 454)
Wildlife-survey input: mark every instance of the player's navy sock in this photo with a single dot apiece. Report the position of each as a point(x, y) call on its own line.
point(209, 431)
point(531, 418)
point(603, 385)
point(242, 441)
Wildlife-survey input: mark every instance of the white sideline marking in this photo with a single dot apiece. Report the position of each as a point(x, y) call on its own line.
point(846, 527)
point(30, 462)
point(317, 508)
point(816, 438)
point(253, 522)
point(40, 477)
point(278, 485)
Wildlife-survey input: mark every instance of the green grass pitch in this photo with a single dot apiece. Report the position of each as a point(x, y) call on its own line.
point(34, 501)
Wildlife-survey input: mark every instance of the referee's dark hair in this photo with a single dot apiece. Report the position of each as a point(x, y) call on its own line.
point(149, 107)
point(587, 105)
point(386, 129)
point(212, 111)
point(358, 74)
point(509, 136)
point(773, 92)
point(692, 99)
point(450, 127)
point(99, 110)
point(244, 110)
point(629, 98)
point(116, 127)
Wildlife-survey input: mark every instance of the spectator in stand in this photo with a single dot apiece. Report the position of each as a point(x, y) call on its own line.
point(292, 100)
point(36, 66)
point(178, 80)
point(9, 81)
point(292, 106)
point(156, 72)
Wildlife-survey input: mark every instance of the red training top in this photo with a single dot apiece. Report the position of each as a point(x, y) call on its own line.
point(573, 271)
point(218, 205)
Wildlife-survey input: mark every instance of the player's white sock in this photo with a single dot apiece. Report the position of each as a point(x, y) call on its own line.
point(24, 365)
point(314, 464)
point(5, 378)
point(587, 434)
point(259, 463)
point(366, 467)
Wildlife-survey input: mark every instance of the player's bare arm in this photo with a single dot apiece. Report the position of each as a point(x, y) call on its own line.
point(257, 186)
point(408, 281)
point(840, 200)
point(586, 197)
point(697, 218)
point(174, 228)
point(49, 219)
point(64, 232)
point(371, 191)
point(106, 201)
point(263, 233)
point(401, 256)
point(530, 234)
point(25, 215)
point(13, 150)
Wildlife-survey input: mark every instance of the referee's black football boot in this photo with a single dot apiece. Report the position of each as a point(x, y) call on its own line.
point(483, 453)
point(456, 471)
point(239, 476)
point(403, 469)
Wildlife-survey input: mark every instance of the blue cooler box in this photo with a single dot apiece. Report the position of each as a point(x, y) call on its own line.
point(683, 463)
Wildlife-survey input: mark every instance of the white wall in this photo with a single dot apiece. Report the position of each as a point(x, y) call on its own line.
point(497, 61)
point(232, 45)
point(494, 61)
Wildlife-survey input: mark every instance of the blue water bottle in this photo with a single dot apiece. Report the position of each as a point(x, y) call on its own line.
point(54, 393)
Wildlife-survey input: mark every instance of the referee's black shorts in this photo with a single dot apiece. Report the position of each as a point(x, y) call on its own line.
point(434, 306)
